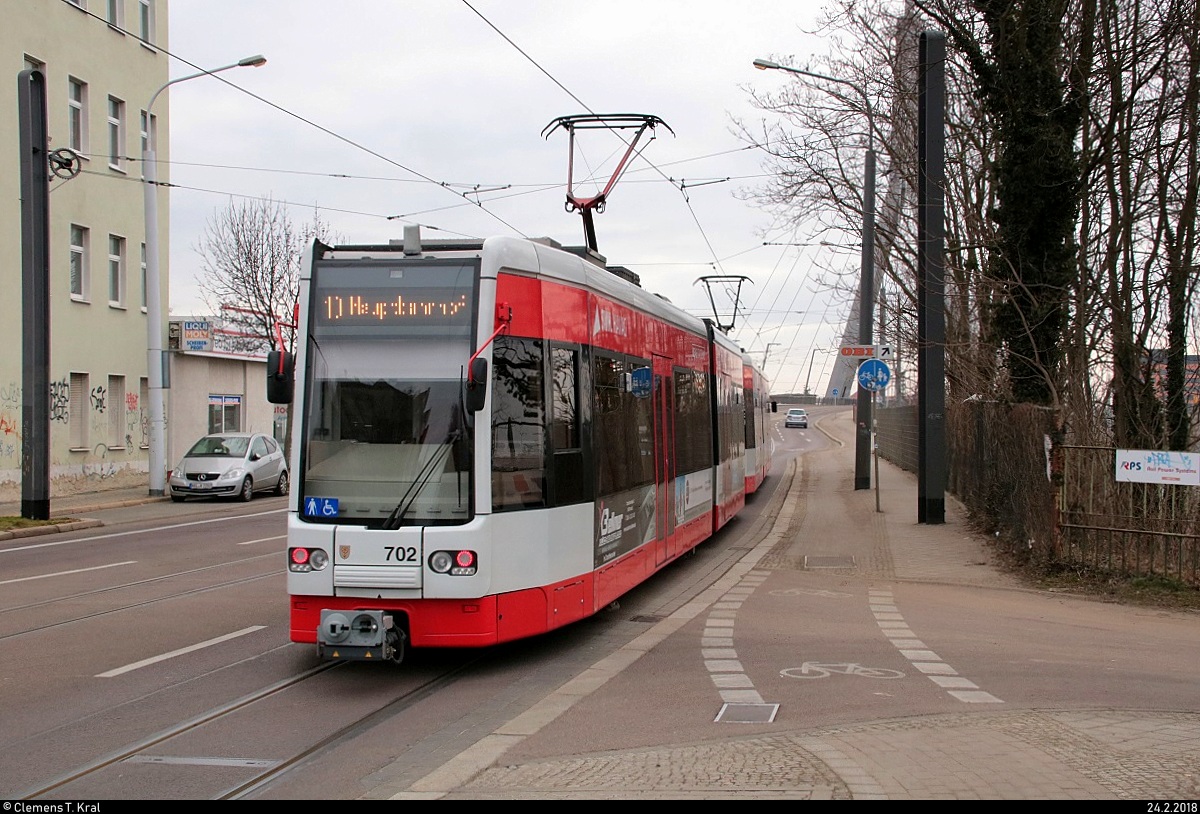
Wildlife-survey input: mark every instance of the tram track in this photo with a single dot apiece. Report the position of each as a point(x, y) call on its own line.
point(436, 682)
point(133, 605)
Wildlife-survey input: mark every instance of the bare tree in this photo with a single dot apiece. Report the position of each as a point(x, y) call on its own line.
point(251, 253)
point(1072, 178)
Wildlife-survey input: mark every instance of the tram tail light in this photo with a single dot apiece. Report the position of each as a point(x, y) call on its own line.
point(462, 563)
point(303, 560)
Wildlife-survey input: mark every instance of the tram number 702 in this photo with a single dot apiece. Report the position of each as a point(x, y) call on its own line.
point(402, 553)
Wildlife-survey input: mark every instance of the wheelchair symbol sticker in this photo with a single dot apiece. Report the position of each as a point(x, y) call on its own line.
point(321, 507)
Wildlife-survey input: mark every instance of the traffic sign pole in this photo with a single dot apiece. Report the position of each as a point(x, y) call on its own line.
point(875, 447)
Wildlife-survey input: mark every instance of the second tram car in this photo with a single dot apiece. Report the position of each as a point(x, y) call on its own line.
point(757, 397)
point(493, 439)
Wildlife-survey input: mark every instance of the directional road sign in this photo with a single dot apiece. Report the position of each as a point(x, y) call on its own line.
point(873, 375)
point(867, 351)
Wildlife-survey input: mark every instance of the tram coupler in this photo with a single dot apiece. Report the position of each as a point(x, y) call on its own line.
point(360, 636)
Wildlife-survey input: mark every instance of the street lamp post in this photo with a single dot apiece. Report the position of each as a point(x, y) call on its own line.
point(767, 353)
point(156, 360)
point(811, 360)
point(866, 294)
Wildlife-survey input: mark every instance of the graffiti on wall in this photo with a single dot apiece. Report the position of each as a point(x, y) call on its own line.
point(60, 401)
point(102, 460)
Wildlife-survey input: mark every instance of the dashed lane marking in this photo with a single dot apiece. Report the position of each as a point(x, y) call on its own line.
point(892, 625)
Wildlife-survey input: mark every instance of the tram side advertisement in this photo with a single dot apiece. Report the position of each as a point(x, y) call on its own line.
point(624, 521)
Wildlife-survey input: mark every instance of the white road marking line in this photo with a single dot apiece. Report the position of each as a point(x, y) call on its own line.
point(140, 531)
point(67, 573)
point(929, 663)
point(137, 665)
point(265, 539)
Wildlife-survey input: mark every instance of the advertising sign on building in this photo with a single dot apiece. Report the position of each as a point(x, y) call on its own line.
point(197, 335)
point(1156, 466)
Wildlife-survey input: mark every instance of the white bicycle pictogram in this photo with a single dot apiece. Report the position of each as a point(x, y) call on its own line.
point(814, 669)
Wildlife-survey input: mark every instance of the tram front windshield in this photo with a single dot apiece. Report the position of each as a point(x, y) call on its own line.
point(387, 441)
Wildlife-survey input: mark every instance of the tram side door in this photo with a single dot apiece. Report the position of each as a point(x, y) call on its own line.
point(664, 458)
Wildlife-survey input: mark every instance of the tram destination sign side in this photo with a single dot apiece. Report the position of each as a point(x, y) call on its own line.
point(862, 352)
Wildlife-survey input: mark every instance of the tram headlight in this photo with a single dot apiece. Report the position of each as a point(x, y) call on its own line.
point(303, 560)
point(440, 562)
point(462, 563)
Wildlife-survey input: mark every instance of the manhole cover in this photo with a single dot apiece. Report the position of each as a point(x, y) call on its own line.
point(828, 562)
point(746, 714)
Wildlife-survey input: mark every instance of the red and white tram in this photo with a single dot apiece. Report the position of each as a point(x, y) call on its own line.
point(495, 438)
point(758, 407)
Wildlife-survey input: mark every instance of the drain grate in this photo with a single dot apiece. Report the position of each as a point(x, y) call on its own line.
point(813, 563)
point(746, 714)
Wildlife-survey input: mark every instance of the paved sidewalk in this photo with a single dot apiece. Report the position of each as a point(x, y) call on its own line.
point(72, 512)
point(987, 753)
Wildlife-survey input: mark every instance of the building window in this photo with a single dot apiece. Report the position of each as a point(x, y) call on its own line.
point(32, 64)
point(146, 21)
point(144, 412)
point(115, 404)
point(77, 130)
point(148, 132)
point(116, 133)
point(224, 413)
point(116, 270)
point(77, 411)
point(79, 262)
point(143, 276)
point(115, 13)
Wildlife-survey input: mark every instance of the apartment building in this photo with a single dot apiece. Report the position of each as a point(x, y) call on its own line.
point(103, 61)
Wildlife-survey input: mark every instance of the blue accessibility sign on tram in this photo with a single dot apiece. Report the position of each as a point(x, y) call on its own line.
point(320, 507)
point(873, 375)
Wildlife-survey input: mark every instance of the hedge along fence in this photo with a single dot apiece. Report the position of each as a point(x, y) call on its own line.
point(999, 467)
point(1053, 502)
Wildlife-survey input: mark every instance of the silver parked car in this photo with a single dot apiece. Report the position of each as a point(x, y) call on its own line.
point(230, 464)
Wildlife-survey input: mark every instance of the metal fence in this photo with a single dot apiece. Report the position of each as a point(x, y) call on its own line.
point(1055, 503)
point(1148, 529)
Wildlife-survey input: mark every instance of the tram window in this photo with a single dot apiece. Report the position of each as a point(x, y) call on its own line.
point(751, 433)
point(623, 436)
point(564, 398)
point(518, 424)
point(643, 414)
point(606, 423)
point(693, 435)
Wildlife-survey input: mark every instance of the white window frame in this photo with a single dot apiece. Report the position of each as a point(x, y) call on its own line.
point(116, 271)
point(146, 21)
point(116, 412)
point(143, 278)
point(116, 134)
point(77, 115)
point(144, 411)
point(78, 269)
point(224, 413)
point(147, 134)
point(114, 12)
point(78, 409)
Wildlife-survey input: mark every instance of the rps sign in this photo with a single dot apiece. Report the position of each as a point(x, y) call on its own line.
point(1155, 466)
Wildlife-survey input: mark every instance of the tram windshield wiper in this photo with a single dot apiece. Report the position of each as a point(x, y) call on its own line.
point(415, 488)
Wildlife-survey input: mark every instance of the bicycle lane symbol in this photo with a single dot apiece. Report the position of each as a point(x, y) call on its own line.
point(814, 669)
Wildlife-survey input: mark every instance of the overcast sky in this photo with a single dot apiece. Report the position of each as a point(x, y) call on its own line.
point(382, 113)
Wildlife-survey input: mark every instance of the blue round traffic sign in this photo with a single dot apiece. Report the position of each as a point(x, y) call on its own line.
point(873, 375)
